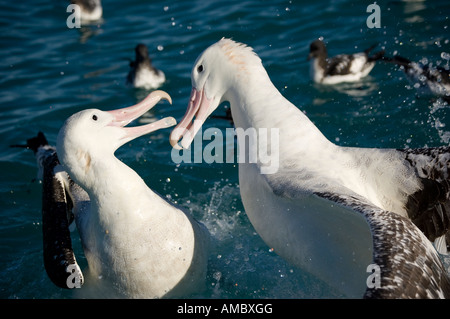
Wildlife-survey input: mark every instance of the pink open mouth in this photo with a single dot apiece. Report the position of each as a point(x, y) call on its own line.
point(199, 108)
point(123, 117)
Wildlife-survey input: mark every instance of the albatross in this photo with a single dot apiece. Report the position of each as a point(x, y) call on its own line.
point(137, 245)
point(361, 219)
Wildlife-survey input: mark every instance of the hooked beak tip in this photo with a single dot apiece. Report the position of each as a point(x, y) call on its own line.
point(174, 138)
point(167, 97)
point(161, 95)
point(124, 116)
point(175, 144)
point(170, 121)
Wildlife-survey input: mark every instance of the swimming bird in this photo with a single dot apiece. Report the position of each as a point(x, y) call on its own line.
point(340, 68)
point(135, 242)
point(332, 211)
point(143, 74)
point(425, 78)
point(91, 10)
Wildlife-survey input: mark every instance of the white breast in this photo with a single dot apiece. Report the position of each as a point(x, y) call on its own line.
point(148, 79)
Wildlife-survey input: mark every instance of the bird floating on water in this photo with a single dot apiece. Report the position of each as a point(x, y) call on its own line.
point(342, 67)
point(143, 74)
point(90, 10)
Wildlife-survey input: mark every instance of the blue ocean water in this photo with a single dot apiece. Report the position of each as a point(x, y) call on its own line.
point(49, 71)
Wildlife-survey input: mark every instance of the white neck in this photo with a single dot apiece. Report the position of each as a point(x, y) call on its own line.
point(256, 103)
point(316, 72)
point(303, 149)
point(118, 191)
point(132, 234)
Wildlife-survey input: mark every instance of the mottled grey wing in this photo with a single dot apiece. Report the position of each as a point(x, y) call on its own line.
point(409, 266)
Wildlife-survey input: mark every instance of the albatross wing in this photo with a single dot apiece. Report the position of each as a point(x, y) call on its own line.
point(429, 207)
point(409, 265)
point(57, 212)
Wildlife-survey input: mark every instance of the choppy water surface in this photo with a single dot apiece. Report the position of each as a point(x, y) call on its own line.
point(48, 72)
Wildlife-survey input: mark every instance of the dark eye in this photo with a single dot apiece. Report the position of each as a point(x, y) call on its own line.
point(94, 117)
point(200, 68)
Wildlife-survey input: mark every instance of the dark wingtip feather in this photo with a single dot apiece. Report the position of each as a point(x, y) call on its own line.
point(34, 143)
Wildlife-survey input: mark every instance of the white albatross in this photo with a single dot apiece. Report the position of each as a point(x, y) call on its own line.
point(333, 211)
point(135, 242)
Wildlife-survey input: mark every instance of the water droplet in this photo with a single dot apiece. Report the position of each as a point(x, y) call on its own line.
point(217, 275)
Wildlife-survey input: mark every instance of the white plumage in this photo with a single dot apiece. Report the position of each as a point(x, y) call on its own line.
point(330, 210)
point(91, 10)
point(142, 73)
point(136, 243)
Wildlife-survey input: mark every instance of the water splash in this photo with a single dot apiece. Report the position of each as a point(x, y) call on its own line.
point(437, 118)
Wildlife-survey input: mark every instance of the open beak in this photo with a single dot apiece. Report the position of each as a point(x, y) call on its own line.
point(123, 117)
point(199, 107)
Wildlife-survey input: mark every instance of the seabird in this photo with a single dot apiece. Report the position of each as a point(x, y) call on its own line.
point(340, 68)
point(427, 79)
point(91, 10)
point(143, 74)
point(137, 245)
point(332, 211)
